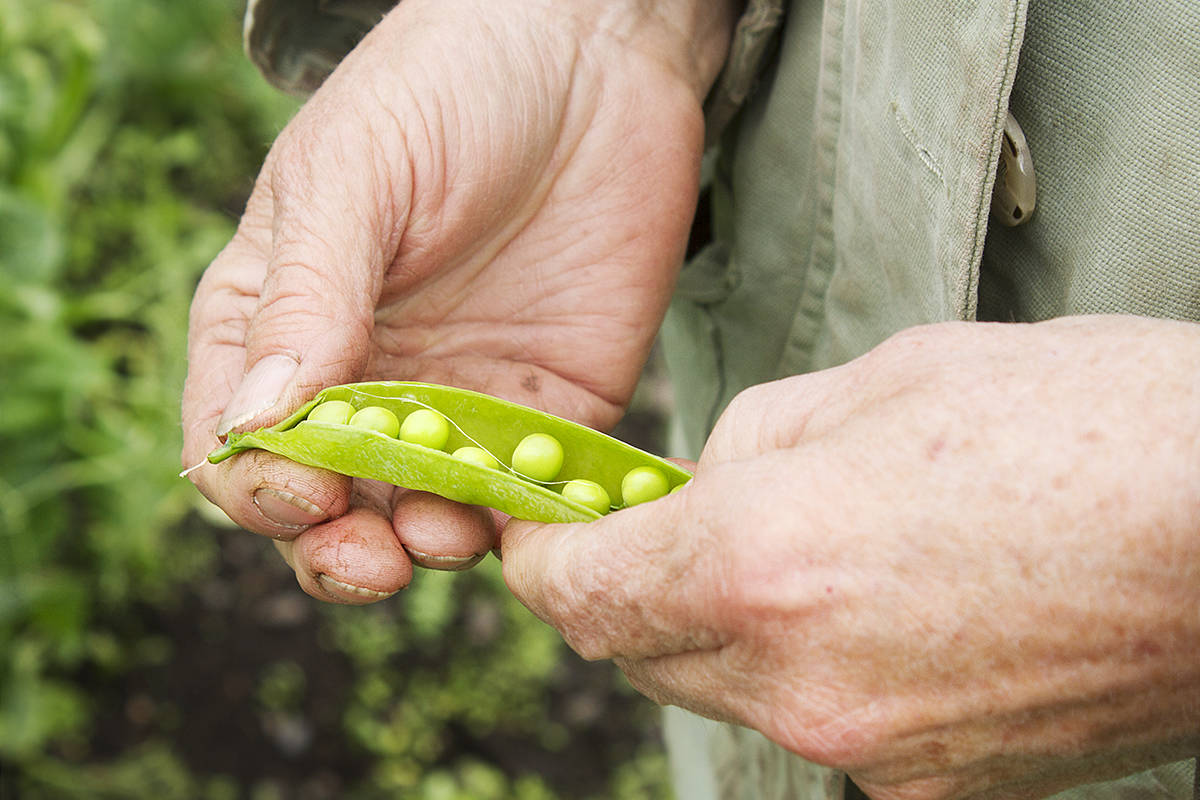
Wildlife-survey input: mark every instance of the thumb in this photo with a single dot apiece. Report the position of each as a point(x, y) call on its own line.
point(632, 584)
point(315, 315)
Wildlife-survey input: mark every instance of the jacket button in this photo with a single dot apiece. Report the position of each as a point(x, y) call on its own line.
point(1015, 192)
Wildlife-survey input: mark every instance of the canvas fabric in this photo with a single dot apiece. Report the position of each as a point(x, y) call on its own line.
point(851, 200)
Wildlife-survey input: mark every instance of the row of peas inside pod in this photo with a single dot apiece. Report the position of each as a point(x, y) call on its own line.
point(538, 457)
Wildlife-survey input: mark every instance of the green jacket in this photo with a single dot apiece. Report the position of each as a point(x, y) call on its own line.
point(855, 151)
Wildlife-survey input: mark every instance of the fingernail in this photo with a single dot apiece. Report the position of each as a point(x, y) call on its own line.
point(285, 508)
point(336, 587)
point(446, 563)
point(260, 390)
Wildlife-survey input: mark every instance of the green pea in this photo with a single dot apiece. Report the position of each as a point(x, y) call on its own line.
point(377, 418)
point(493, 425)
point(338, 412)
point(588, 493)
point(539, 456)
point(477, 456)
point(427, 428)
point(643, 484)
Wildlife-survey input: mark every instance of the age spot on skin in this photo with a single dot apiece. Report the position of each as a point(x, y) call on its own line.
point(935, 752)
point(1146, 648)
point(531, 383)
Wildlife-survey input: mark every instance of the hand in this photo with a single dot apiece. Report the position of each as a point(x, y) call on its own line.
point(967, 563)
point(489, 194)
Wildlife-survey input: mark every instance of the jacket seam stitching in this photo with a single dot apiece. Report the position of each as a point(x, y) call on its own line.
point(983, 201)
point(822, 250)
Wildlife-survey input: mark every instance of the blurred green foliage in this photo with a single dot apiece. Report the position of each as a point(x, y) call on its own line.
point(130, 133)
point(120, 126)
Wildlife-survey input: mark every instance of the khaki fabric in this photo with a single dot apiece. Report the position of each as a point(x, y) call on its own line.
point(851, 200)
point(753, 40)
point(1117, 228)
point(851, 194)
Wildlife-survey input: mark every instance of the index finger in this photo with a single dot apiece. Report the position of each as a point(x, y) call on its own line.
point(261, 493)
point(225, 301)
point(632, 584)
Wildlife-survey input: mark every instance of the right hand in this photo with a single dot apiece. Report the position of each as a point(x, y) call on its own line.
point(494, 195)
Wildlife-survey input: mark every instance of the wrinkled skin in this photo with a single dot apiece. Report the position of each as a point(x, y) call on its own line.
point(967, 564)
point(489, 195)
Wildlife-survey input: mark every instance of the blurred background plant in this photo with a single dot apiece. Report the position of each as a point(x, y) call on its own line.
point(146, 649)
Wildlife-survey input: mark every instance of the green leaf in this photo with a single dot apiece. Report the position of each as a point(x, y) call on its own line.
point(31, 243)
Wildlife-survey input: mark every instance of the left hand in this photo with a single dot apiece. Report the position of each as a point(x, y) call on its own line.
point(967, 563)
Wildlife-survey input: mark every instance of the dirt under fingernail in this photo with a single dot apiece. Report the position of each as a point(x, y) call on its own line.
point(287, 509)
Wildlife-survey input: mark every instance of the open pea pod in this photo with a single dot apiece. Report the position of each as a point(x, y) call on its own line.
point(476, 419)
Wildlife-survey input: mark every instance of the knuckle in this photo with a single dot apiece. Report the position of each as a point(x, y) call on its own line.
point(823, 728)
point(294, 300)
point(543, 585)
point(578, 630)
point(901, 347)
point(290, 163)
point(600, 602)
point(747, 402)
point(752, 586)
point(586, 644)
point(737, 429)
point(645, 686)
point(590, 604)
point(236, 491)
point(917, 340)
point(739, 402)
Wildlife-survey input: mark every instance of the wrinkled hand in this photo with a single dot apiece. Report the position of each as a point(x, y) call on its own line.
point(494, 195)
point(967, 563)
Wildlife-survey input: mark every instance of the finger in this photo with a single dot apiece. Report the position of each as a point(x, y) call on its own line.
point(272, 496)
point(737, 683)
point(694, 680)
point(334, 232)
point(284, 311)
point(354, 559)
point(635, 583)
point(440, 534)
point(224, 303)
point(778, 415)
point(260, 492)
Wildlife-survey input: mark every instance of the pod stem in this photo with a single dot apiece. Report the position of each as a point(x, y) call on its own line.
point(226, 450)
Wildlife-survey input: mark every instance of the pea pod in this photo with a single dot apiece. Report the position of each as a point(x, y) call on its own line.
point(477, 420)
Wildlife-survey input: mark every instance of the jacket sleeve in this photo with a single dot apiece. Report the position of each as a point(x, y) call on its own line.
point(296, 43)
point(753, 42)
